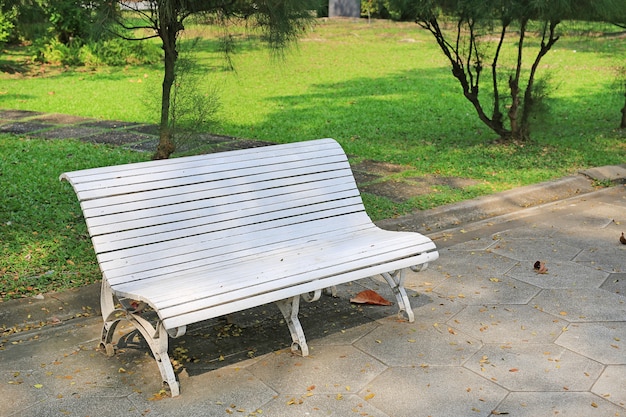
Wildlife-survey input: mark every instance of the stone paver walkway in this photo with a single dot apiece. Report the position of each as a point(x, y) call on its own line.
point(492, 336)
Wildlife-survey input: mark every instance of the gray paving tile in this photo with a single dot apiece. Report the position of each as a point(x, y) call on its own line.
point(615, 283)
point(24, 127)
point(531, 250)
point(487, 289)
point(531, 231)
point(593, 237)
point(424, 282)
point(20, 390)
point(612, 385)
point(440, 391)
point(611, 259)
point(508, 324)
point(344, 336)
point(329, 368)
point(561, 274)
point(593, 218)
point(311, 404)
point(549, 404)
point(230, 390)
point(425, 342)
point(82, 406)
point(114, 137)
point(474, 264)
point(582, 305)
point(476, 244)
point(476, 277)
point(603, 342)
point(535, 367)
point(90, 373)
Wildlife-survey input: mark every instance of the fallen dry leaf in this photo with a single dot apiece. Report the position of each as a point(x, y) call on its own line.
point(370, 297)
point(540, 267)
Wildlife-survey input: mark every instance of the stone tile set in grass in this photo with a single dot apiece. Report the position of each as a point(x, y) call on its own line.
point(378, 178)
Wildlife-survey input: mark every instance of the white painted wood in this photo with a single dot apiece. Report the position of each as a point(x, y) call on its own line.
point(208, 235)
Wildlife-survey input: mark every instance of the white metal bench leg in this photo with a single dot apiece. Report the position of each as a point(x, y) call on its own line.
point(158, 341)
point(420, 268)
point(290, 308)
point(111, 316)
point(396, 281)
point(157, 338)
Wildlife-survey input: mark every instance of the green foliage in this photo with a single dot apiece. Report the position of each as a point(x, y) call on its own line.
point(7, 24)
point(43, 239)
point(118, 52)
point(57, 53)
point(107, 52)
point(279, 24)
point(194, 103)
point(70, 20)
point(79, 20)
point(377, 9)
point(26, 19)
point(473, 36)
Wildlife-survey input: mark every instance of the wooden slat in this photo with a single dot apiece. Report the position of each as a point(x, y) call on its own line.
point(133, 212)
point(217, 253)
point(254, 275)
point(124, 185)
point(241, 239)
point(194, 313)
point(208, 226)
point(328, 146)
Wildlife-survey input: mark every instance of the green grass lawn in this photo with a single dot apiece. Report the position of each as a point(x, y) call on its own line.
point(43, 238)
point(383, 90)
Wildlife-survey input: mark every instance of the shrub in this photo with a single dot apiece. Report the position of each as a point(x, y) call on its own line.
point(56, 53)
point(7, 24)
point(112, 52)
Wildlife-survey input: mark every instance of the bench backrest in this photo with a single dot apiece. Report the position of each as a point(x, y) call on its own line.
point(218, 204)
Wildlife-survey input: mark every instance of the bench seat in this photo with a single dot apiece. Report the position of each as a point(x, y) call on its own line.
point(199, 237)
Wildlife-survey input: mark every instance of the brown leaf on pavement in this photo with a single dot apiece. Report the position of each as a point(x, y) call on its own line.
point(370, 297)
point(540, 267)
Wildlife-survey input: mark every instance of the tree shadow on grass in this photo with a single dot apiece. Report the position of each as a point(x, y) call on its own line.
point(421, 118)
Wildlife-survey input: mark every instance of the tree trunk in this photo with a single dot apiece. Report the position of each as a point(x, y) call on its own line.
point(528, 94)
point(514, 87)
point(169, 28)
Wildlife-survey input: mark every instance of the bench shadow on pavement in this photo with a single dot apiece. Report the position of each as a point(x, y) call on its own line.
point(233, 339)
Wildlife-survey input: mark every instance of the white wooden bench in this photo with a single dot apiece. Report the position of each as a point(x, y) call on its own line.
point(200, 237)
